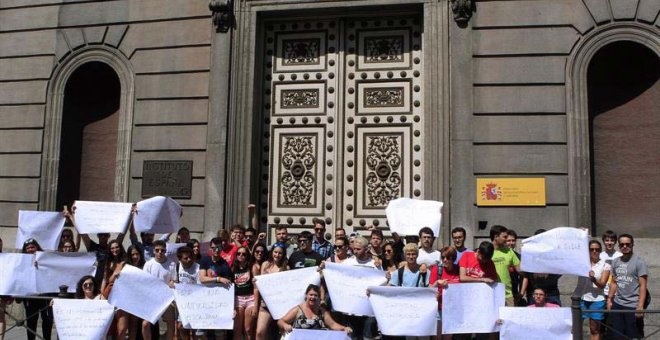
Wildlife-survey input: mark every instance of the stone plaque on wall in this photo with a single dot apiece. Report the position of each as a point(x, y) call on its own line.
point(167, 178)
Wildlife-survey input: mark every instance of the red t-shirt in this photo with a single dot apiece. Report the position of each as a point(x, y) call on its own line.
point(228, 253)
point(451, 277)
point(475, 269)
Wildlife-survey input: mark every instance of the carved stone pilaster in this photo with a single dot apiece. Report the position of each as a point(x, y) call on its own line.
point(463, 10)
point(223, 15)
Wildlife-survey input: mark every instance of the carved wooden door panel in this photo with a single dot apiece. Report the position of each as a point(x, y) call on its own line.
point(342, 120)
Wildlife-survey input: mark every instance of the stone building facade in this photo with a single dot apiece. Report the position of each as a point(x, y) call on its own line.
point(332, 108)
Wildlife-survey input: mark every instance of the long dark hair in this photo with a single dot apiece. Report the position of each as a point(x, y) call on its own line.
point(284, 261)
point(235, 266)
point(264, 255)
point(191, 244)
point(129, 251)
point(80, 294)
point(29, 242)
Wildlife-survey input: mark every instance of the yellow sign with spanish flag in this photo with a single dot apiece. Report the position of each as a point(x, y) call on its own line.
point(510, 191)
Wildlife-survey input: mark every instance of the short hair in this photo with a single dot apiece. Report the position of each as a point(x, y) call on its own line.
point(183, 250)
point(632, 240)
point(306, 234)
point(160, 243)
point(449, 251)
point(513, 233)
point(426, 230)
point(411, 247)
point(595, 242)
point(340, 228)
point(459, 230)
point(545, 292)
point(238, 227)
point(223, 235)
point(313, 287)
point(343, 239)
point(496, 230)
point(182, 230)
point(280, 227)
point(486, 249)
point(376, 232)
point(250, 229)
point(217, 241)
point(319, 221)
point(361, 240)
point(609, 234)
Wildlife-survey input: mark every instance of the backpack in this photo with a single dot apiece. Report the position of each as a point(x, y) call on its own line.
point(421, 281)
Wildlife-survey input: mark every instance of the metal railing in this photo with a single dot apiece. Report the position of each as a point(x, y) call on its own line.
point(22, 322)
point(576, 313)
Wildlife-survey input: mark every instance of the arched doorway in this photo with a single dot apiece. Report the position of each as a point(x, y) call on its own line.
point(88, 144)
point(623, 84)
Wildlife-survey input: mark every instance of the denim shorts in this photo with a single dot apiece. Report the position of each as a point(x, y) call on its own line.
point(592, 305)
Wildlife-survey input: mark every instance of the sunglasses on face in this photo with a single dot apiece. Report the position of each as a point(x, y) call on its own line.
point(88, 285)
point(217, 248)
point(623, 245)
point(389, 250)
point(159, 250)
point(339, 246)
point(258, 251)
point(241, 254)
point(595, 250)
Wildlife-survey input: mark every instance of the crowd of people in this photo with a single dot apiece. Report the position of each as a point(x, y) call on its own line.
point(617, 280)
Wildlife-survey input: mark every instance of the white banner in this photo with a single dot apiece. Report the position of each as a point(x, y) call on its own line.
point(17, 274)
point(43, 226)
point(158, 215)
point(316, 334)
point(82, 319)
point(202, 307)
point(347, 286)
point(471, 307)
point(141, 294)
point(557, 251)
point(285, 290)
point(55, 269)
point(102, 217)
point(407, 216)
point(535, 323)
point(405, 310)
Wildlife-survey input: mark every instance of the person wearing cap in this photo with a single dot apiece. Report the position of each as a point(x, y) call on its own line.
point(319, 243)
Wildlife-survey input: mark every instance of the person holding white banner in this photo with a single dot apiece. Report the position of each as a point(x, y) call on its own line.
point(442, 276)
point(244, 294)
point(310, 315)
point(277, 262)
point(111, 269)
point(214, 270)
point(36, 307)
point(594, 296)
point(163, 269)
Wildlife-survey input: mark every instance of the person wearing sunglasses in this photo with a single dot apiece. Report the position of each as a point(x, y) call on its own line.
point(214, 270)
point(244, 295)
point(441, 276)
point(87, 289)
point(341, 250)
point(319, 243)
point(628, 290)
point(164, 269)
point(36, 307)
point(305, 256)
point(594, 297)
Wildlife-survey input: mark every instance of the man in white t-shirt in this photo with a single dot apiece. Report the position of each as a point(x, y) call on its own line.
point(609, 253)
point(164, 269)
point(427, 255)
point(364, 327)
point(187, 270)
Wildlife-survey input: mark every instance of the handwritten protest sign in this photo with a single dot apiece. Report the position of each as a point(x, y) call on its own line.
point(407, 216)
point(475, 314)
point(405, 310)
point(43, 226)
point(55, 269)
point(141, 294)
point(82, 319)
point(102, 217)
point(202, 307)
point(17, 274)
point(535, 323)
point(557, 251)
point(306, 334)
point(285, 290)
point(347, 286)
point(158, 215)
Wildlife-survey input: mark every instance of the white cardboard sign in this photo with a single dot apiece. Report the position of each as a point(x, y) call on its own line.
point(55, 269)
point(43, 226)
point(102, 217)
point(347, 286)
point(202, 307)
point(405, 311)
point(535, 323)
point(158, 215)
point(77, 319)
point(316, 334)
point(557, 251)
point(141, 294)
point(285, 290)
point(18, 276)
point(471, 307)
point(407, 216)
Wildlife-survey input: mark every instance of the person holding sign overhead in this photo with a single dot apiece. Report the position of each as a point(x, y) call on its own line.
point(310, 315)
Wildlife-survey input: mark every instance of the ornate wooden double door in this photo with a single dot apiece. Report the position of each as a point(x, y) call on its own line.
point(342, 119)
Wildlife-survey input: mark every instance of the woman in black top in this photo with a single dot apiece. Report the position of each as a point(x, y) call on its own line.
point(244, 293)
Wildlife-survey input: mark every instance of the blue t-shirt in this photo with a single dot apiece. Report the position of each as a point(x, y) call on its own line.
point(215, 269)
point(410, 279)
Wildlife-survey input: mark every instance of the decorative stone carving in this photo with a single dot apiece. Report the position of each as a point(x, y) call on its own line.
point(463, 10)
point(384, 49)
point(383, 97)
point(223, 15)
point(300, 99)
point(301, 52)
point(383, 160)
point(298, 162)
